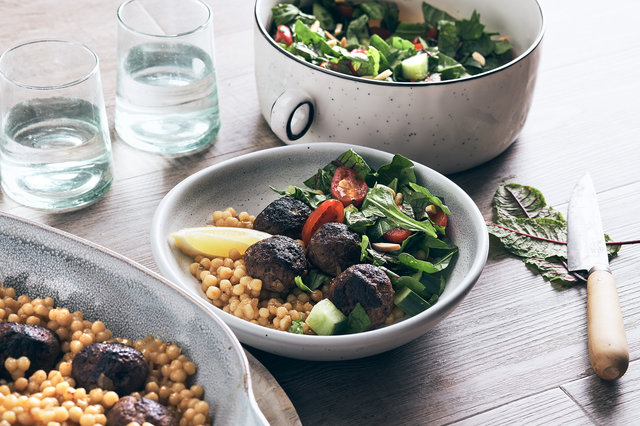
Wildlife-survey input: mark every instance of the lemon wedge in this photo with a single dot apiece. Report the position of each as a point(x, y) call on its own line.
point(216, 240)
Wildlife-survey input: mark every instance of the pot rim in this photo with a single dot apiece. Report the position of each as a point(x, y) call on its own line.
point(513, 62)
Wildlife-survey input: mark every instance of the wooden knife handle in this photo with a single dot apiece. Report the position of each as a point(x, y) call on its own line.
point(608, 349)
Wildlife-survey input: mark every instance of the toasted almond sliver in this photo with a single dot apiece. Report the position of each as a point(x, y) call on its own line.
point(338, 29)
point(386, 247)
point(329, 35)
point(479, 58)
point(383, 75)
point(315, 26)
point(343, 42)
point(332, 42)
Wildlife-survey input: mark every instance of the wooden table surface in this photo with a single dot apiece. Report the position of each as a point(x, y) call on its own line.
point(515, 349)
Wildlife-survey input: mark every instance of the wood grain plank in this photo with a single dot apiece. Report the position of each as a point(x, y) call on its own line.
point(550, 407)
point(609, 402)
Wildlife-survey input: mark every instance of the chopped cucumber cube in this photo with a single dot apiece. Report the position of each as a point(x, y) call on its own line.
point(325, 319)
point(415, 67)
point(410, 303)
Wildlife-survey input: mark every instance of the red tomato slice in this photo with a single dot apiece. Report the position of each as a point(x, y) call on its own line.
point(432, 32)
point(418, 46)
point(348, 187)
point(397, 235)
point(439, 217)
point(283, 35)
point(327, 211)
point(383, 33)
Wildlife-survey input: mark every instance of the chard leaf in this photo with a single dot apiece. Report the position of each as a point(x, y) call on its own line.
point(532, 238)
point(373, 10)
point(530, 229)
point(553, 271)
point(519, 201)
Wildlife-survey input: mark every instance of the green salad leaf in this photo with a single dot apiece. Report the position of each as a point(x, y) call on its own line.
point(530, 229)
point(374, 40)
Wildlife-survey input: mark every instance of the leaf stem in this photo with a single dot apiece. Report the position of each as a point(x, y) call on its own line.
point(536, 237)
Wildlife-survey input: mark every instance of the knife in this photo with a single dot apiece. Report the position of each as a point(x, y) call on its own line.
point(586, 251)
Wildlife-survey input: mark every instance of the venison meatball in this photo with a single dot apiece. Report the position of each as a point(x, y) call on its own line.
point(333, 248)
point(365, 284)
point(130, 409)
point(110, 366)
point(276, 261)
point(284, 216)
point(39, 344)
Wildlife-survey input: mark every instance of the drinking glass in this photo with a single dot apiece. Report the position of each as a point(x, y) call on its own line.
point(166, 98)
point(55, 151)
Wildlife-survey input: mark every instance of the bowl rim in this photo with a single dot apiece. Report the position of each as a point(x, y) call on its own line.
point(236, 346)
point(161, 251)
point(265, 34)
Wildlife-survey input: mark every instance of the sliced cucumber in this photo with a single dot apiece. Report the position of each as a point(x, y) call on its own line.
point(325, 319)
point(415, 68)
point(410, 303)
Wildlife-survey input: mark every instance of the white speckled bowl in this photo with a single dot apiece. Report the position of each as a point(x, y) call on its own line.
point(243, 183)
point(133, 302)
point(449, 126)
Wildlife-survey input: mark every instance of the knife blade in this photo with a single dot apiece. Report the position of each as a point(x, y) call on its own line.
point(587, 251)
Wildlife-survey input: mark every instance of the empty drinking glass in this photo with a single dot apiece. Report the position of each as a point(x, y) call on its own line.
point(55, 151)
point(166, 99)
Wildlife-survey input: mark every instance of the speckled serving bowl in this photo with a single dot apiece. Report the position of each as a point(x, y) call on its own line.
point(133, 302)
point(449, 126)
point(243, 183)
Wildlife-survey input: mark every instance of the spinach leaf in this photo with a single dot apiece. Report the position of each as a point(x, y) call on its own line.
point(313, 199)
point(358, 32)
point(447, 38)
point(470, 29)
point(322, 179)
point(324, 16)
point(358, 320)
point(433, 15)
point(284, 14)
point(380, 202)
point(400, 168)
point(410, 31)
point(439, 265)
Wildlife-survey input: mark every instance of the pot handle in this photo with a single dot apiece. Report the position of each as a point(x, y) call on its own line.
point(292, 115)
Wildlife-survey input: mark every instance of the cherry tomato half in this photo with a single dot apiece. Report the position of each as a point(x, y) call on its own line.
point(346, 10)
point(436, 215)
point(432, 32)
point(418, 46)
point(327, 211)
point(348, 187)
point(397, 235)
point(283, 35)
point(363, 51)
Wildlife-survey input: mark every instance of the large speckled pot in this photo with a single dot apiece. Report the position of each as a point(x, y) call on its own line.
point(449, 126)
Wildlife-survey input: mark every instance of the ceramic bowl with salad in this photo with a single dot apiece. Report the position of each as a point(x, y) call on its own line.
point(330, 252)
point(446, 83)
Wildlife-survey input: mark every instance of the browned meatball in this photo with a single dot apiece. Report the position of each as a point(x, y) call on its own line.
point(365, 284)
point(130, 409)
point(276, 261)
point(333, 248)
point(284, 216)
point(39, 344)
point(110, 366)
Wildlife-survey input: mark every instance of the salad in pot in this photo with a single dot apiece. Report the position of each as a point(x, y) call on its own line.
point(348, 250)
point(367, 39)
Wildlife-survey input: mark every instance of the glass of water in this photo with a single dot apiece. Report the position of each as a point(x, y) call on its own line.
point(166, 99)
point(55, 151)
